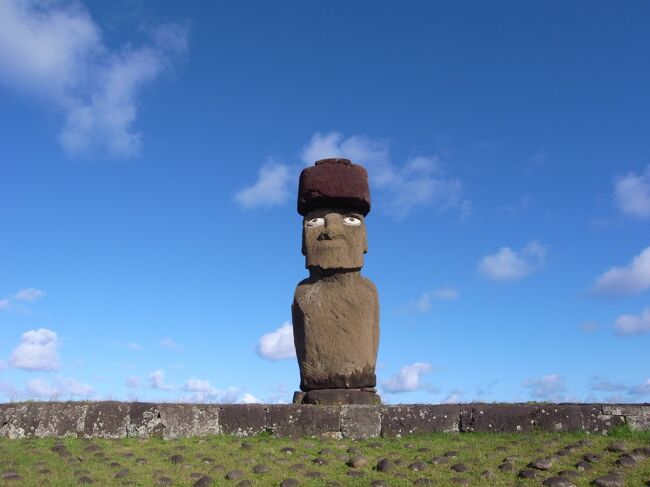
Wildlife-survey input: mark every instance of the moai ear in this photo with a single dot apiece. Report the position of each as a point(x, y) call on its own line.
point(304, 245)
point(365, 240)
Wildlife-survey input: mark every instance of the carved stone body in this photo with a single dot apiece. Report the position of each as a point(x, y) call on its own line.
point(336, 331)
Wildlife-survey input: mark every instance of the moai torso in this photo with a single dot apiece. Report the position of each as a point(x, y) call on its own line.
point(335, 311)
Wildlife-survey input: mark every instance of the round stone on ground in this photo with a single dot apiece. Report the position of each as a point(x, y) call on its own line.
point(487, 474)
point(459, 467)
point(116, 465)
point(610, 480)
point(527, 473)
point(196, 475)
point(459, 481)
point(542, 464)
point(319, 461)
point(85, 480)
point(591, 457)
point(506, 467)
point(261, 468)
point(358, 461)
point(584, 465)
point(121, 474)
point(245, 483)
point(384, 465)
point(12, 476)
point(313, 474)
point(439, 460)
point(204, 481)
point(234, 475)
point(289, 483)
point(616, 447)
point(452, 453)
point(326, 451)
point(378, 483)
point(177, 459)
point(558, 481)
point(625, 460)
point(296, 467)
point(354, 473)
point(246, 445)
point(423, 481)
point(417, 466)
point(288, 450)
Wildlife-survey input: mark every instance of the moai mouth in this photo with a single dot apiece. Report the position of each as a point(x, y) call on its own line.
point(335, 311)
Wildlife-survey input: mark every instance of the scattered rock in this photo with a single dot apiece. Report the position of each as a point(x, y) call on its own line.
point(591, 457)
point(245, 483)
point(319, 461)
point(354, 473)
point(114, 465)
point(488, 474)
point(584, 465)
point(424, 449)
point(527, 473)
point(644, 451)
point(616, 447)
point(177, 459)
point(506, 467)
point(12, 476)
point(423, 481)
point(558, 481)
point(459, 481)
point(261, 468)
point(439, 460)
point(451, 454)
point(384, 465)
point(610, 480)
point(625, 460)
point(234, 475)
point(289, 483)
point(247, 445)
point(378, 483)
point(326, 451)
point(542, 464)
point(121, 474)
point(417, 466)
point(296, 467)
point(85, 480)
point(203, 481)
point(459, 467)
point(358, 461)
point(313, 474)
point(288, 450)
point(164, 481)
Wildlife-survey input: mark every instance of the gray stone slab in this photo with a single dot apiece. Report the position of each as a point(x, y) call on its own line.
point(296, 421)
point(242, 419)
point(360, 422)
point(187, 420)
point(497, 417)
point(419, 418)
point(108, 419)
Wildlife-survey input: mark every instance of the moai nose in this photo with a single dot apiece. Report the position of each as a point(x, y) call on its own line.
point(333, 227)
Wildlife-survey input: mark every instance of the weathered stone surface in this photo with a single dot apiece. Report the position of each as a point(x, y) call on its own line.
point(297, 421)
point(183, 420)
point(336, 331)
point(242, 419)
point(497, 417)
point(145, 420)
point(360, 422)
point(421, 418)
point(108, 419)
point(334, 397)
point(333, 182)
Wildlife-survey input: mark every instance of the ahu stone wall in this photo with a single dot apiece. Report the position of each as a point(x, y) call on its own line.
point(111, 419)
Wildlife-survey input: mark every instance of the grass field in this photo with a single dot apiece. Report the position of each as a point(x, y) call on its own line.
point(443, 459)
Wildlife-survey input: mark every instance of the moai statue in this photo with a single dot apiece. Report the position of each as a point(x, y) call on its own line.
point(335, 310)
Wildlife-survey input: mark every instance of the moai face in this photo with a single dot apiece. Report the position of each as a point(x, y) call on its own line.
point(334, 238)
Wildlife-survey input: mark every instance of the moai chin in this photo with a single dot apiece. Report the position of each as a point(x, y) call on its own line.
point(335, 310)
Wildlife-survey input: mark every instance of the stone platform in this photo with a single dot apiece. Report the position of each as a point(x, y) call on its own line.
point(136, 419)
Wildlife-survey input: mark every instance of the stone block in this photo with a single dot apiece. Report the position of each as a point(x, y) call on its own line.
point(360, 422)
point(108, 419)
point(296, 421)
point(187, 420)
point(419, 418)
point(497, 417)
point(242, 419)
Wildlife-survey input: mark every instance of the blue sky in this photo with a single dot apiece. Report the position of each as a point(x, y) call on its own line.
point(150, 244)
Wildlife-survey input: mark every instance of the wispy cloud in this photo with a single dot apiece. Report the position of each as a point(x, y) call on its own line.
point(157, 381)
point(55, 52)
point(270, 189)
point(133, 382)
point(631, 279)
point(17, 300)
point(169, 343)
point(278, 344)
point(38, 350)
point(550, 387)
point(203, 391)
point(60, 387)
point(511, 265)
point(642, 389)
point(633, 324)
point(425, 301)
point(632, 194)
point(408, 379)
point(601, 384)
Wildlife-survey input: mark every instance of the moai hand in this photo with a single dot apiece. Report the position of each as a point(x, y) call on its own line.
point(335, 311)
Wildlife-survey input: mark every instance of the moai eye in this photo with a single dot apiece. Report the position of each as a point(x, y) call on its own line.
point(352, 221)
point(315, 222)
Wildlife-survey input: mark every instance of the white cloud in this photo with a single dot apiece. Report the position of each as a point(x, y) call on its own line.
point(157, 381)
point(424, 303)
point(631, 279)
point(60, 388)
point(169, 343)
point(278, 344)
point(419, 182)
point(133, 346)
point(452, 398)
point(407, 379)
point(510, 265)
point(271, 188)
point(632, 194)
point(55, 52)
point(38, 350)
point(28, 295)
point(642, 389)
point(548, 388)
point(4, 304)
point(633, 324)
point(203, 391)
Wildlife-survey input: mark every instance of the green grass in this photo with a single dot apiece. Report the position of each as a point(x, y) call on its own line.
point(148, 460)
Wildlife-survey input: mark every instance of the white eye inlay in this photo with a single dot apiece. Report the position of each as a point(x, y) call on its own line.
point(315, 222)
point(352, 221)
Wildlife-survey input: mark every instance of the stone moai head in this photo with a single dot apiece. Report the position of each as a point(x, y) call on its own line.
point(334, 198)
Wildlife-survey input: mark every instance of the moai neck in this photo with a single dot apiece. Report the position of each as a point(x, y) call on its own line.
point(319, 274)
